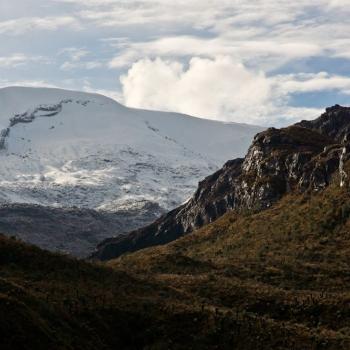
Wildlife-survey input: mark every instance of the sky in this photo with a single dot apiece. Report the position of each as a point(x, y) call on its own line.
point(262, 62)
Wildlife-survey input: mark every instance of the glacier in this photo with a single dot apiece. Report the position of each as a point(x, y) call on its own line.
point(69, 149)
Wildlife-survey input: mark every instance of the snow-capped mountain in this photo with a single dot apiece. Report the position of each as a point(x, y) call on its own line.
point(65, 148)
point(77, 168)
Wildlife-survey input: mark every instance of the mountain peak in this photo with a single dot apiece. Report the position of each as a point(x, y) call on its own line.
point(334, 122)
point(336, 107)
point(61, 148)
point(300, 158)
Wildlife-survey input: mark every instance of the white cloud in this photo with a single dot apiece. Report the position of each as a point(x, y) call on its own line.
point(88, 3)
point(158, 13)
point(67, 66)
point(173, 54)
point(218, 88)
point(265, 33)
point(322, 81)
point(27, 83)
point(75, 54)
point(223, 89)
point(339, 5)
point(20, 59)
point(75, 59)
point(13, 61)
point(124, 59)
point(274, 52)
point(22, 25)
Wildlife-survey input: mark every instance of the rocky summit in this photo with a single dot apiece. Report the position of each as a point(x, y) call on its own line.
point(300, 158)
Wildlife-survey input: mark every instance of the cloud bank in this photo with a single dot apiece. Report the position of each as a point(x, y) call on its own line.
point(256, 61)
point(217, 87)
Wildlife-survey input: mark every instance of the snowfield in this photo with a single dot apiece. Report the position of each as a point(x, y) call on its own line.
point(63, 149)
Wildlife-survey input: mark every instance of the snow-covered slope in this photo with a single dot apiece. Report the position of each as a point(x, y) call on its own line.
point(64, 148)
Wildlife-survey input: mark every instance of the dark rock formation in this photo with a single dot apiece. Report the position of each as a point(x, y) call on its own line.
point(70, 230)
point(302, 157)
point(334, 123)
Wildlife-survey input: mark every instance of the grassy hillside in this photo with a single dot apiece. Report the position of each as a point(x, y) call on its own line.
point(279, 279)
point(288, 268)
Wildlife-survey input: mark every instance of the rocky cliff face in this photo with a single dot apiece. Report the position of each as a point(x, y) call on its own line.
point(302, 157)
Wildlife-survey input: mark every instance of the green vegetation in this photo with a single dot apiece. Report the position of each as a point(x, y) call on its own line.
point(278, 279)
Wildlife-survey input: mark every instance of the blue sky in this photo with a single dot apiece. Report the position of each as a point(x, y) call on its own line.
point(254, 61)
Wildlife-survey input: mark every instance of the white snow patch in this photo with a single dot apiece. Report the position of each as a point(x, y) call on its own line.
point(73, 148)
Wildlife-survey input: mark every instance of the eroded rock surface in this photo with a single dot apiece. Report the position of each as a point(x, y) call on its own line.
point(302, 157)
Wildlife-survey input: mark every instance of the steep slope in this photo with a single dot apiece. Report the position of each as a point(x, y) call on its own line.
point(288, 263)
point(302, 157)
point(74, 231)
point(277, 279)
point(71, 149)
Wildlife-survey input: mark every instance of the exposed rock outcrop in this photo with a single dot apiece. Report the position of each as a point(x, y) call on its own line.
point(30, 115)
point(302, 157)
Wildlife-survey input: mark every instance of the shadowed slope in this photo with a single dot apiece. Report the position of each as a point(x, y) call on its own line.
point(278, 279)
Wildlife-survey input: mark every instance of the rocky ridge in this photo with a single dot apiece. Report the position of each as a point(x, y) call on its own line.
point(302, 157)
